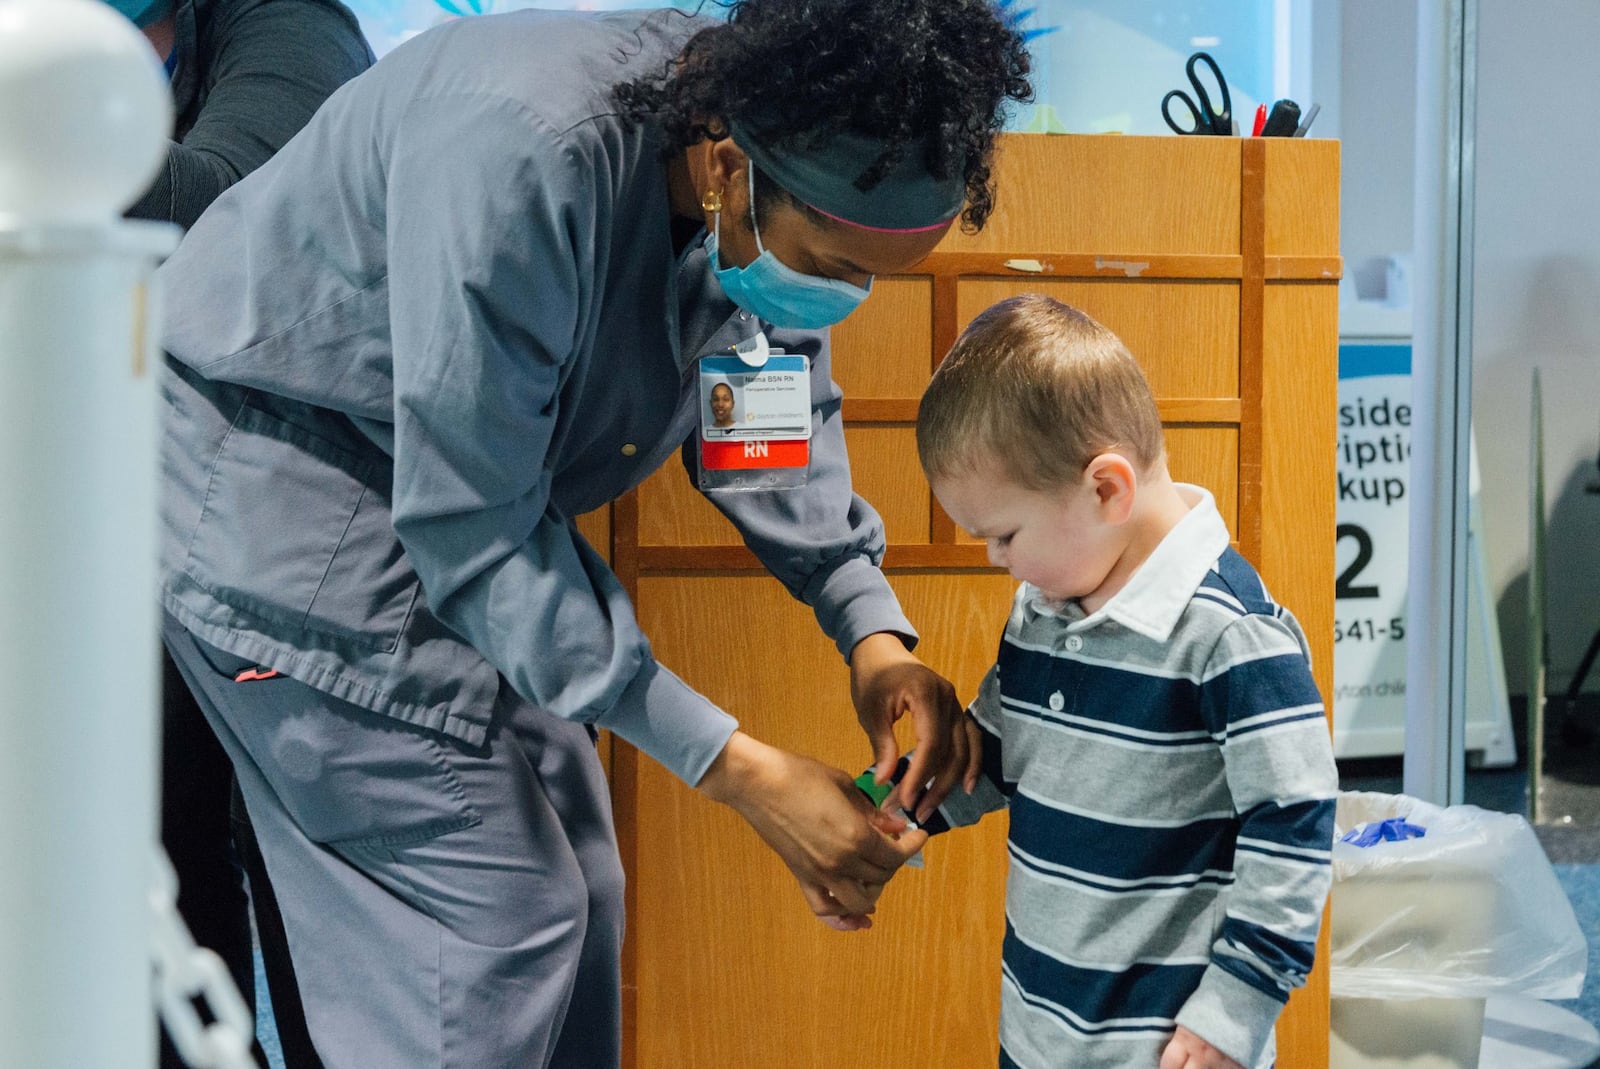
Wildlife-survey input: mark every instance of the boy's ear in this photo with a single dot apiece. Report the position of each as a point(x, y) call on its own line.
point(1114, 481)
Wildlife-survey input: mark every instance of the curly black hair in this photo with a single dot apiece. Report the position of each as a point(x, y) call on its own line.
point(930, 73)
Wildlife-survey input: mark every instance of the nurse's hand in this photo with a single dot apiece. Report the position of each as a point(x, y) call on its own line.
point(818, 821)
point(886, 683)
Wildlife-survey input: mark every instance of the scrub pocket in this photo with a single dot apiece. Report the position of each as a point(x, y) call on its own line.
point(295, 531)
point(349, 777)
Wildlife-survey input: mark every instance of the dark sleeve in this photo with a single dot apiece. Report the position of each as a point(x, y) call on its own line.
point(269, 65)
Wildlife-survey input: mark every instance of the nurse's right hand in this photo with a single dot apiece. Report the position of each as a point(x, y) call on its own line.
point(816, 819)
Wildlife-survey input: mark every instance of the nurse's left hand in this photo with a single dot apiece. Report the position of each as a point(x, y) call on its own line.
point(887, 682)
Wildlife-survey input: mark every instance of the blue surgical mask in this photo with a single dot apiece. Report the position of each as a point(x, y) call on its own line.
point(772, 290)
point(142, 12)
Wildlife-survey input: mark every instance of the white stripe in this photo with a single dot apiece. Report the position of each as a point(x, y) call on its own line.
point(1157, 670)
point(1107, 966)
point(1221, 597)
point(1257, 653)
point(1288, 727)
point(1310, 853)
point(1101, 739)
point(1276, 714)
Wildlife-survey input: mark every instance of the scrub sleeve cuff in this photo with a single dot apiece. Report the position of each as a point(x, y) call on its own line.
point(669, 720)
point(1231, 1015)
point(853, 601)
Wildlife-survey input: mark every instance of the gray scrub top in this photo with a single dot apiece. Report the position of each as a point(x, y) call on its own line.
point(409, 349)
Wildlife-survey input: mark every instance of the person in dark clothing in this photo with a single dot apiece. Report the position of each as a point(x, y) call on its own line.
point(245, 75)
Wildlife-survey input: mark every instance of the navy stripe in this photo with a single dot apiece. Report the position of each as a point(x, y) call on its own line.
point(1085, 726)
point(1255, 687)
point(1273, 949)
point(1119, 851)
point(1307, 824)
point(1101, 997)
point(1235, 575)
point(1243, 971)
point(1219, 879)
point(1005, 1060)
point(1114, 695)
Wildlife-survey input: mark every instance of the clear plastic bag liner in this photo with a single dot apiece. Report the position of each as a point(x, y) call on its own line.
point(1469, 909)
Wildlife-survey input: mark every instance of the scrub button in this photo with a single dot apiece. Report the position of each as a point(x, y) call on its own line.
point(1074, 643)
point(1058, 702)
point(628, 449)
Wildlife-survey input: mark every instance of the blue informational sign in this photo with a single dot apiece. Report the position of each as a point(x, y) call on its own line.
point(1099, 65)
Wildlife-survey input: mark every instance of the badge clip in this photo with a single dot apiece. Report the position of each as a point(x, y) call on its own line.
point(753, 352)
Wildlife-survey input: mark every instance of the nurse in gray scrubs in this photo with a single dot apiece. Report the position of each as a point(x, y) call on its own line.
point(466, 304)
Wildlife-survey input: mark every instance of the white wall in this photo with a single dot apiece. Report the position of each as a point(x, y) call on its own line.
point(1536, 274)
point(1377, 125)
point(1537, 304)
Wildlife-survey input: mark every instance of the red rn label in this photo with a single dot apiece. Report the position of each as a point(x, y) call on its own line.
point(752, 453)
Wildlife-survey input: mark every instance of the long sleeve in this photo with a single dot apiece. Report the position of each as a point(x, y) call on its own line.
point(269, 65)
point(1258, 699)
point(821, 540)
point(993, 791)
point(483, 320)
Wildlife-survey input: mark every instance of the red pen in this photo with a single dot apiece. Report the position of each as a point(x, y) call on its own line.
point(1261, 120)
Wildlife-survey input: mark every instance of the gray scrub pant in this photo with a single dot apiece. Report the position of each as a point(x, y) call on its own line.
point(445, 905)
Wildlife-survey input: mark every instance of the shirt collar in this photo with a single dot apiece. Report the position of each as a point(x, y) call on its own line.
point(1159, 591)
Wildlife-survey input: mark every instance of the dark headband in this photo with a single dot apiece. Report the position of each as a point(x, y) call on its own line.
point(907, 199)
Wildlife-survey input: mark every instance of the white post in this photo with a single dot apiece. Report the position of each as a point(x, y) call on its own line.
point(84, 112)
point(1441, 405)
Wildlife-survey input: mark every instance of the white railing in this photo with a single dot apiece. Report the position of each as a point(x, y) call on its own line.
point(84, 115)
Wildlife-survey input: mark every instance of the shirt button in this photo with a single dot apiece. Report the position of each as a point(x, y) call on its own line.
point(1074, 643)
point(628, 449)
point(1058, 702)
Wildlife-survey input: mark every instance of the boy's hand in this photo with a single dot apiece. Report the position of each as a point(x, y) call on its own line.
point(1189, 1051)
point(886, 682)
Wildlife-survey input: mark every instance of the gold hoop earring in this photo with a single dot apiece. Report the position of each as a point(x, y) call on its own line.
point(712, 200)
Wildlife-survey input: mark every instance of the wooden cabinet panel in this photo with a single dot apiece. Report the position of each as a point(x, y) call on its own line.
point(732, 968)
point(1114, 195)
point(1301, 220)
point(1185, 333)
point(1209, 457)
point(596, 529)
point(885, 471)
point(887, 341)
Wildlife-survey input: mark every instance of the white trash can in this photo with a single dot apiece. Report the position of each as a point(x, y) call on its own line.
point(1424, 929)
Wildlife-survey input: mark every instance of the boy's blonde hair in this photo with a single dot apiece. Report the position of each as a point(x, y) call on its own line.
point(1040, 389)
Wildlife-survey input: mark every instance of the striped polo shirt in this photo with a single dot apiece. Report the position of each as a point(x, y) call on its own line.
point(1171, 786)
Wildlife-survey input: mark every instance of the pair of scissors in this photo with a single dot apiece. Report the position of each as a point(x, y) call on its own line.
point(1203, 118)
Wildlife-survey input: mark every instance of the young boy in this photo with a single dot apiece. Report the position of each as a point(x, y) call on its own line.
point(1151, 722)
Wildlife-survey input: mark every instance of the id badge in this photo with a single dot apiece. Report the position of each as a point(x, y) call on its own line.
point(755, 418)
